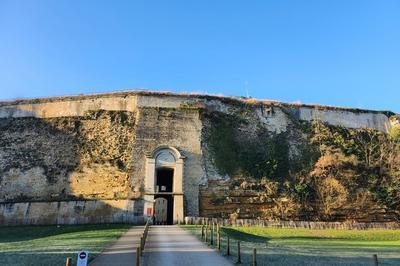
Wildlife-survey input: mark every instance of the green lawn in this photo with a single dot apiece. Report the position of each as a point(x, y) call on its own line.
point(50, 245)
point(277, 246)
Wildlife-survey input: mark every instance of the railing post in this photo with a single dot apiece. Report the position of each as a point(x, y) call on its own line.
point(212, 235)
point(219, 240)
point(375, 257)
point(228, 248)
point(254, 257)
point(238, 253)
point(138, 253)
point(68, 261)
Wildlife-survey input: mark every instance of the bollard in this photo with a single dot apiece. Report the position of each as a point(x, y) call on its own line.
point(138, 256)
point(254, 257)
point(228, 248)
point(206, 236)
point(202, 232)
point(375, 257)
point(68, 261)
point(238, 253)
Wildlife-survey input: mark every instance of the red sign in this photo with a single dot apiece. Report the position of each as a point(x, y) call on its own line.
point(149, 211)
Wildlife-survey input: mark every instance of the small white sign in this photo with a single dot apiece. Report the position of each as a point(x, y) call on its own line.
point(83, 257)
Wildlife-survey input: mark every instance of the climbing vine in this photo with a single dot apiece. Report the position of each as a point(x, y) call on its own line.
point(263, 155)
point(325, 172)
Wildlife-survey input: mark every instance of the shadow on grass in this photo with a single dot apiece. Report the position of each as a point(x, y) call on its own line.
point(244, 236)
point(310, 238)
point(26, 233)
point(256, 238)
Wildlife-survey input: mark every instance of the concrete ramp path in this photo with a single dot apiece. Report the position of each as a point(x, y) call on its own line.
point(172, 245)
point(122, 252)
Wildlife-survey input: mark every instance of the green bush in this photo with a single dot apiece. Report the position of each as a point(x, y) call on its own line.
point(395, 134)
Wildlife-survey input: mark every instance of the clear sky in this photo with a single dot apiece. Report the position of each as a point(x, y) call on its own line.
point(344, 53)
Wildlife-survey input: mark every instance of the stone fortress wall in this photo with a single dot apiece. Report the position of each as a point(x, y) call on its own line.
point(81, 159)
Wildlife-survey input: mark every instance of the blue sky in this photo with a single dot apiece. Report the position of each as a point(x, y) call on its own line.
point(344, 53)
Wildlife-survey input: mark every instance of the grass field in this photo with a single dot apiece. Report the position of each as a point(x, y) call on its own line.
point(276, 246)
point(50, 245)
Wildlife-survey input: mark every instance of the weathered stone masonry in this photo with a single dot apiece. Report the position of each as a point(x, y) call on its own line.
point(86, 159)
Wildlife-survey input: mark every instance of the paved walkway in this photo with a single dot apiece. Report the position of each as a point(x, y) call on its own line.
point(172, 245)
point(122, 252)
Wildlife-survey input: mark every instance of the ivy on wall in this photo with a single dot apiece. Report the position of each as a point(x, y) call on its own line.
point(223, 145)
point(326, 172)
point(265, 155)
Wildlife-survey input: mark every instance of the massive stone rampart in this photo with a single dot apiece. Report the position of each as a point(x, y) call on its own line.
point(81, 159)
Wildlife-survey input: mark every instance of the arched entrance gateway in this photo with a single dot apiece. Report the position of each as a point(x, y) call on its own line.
point(163, 185)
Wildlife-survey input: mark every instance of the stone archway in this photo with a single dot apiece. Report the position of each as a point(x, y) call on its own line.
point(164, 157)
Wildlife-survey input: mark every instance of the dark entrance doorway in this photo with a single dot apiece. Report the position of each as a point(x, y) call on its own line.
point(164, 187)
point(164, 180)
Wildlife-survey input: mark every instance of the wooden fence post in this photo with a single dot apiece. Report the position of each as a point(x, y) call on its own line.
point(212, 235)
point(228, 248)
point(219, 240)
point(238, 253)
point(68, 261)
point(254, 257)
point(138, 256)
point(375, 257)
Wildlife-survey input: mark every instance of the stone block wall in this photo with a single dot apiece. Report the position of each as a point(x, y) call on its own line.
point(48, 165)
point(176, 127)
point(69, 212)
point(81, 159)
point(85, 157)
